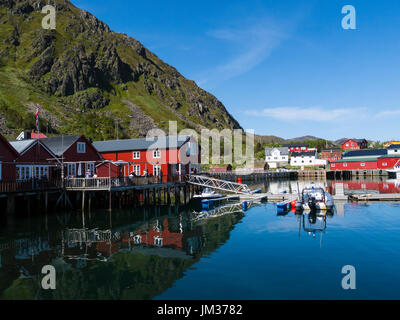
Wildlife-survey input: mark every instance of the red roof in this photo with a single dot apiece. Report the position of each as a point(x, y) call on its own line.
point(34, 135)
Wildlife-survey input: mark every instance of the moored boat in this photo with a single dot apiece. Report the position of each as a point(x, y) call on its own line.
point(208, 194)
point(315, 199)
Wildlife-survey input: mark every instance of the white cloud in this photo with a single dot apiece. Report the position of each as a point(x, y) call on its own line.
point(249, 45)
point(317, 114)
point(388, 113)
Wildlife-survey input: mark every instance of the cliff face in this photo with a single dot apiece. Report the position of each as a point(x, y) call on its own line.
point(90, 79)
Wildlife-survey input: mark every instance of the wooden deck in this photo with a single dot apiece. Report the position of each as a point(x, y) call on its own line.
point(20, 187)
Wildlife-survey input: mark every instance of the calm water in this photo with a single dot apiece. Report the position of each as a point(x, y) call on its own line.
point(164, 253)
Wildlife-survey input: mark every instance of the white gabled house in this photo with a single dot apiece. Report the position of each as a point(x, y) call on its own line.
point(306, 159)
point(277, 157)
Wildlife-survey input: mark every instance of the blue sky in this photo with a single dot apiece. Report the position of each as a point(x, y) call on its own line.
point(284, 68)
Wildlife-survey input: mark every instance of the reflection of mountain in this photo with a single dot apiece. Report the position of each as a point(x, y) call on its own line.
point(133, 263)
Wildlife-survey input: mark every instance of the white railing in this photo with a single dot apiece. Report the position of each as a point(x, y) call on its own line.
point(222, 185)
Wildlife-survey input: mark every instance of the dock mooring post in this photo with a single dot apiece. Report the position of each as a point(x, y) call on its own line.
point(83, 201)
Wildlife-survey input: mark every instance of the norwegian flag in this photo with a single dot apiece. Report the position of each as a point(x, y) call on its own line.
point(37, 117)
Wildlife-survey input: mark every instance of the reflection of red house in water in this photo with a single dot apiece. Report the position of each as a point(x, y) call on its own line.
point(377, 186)
point(156, 236)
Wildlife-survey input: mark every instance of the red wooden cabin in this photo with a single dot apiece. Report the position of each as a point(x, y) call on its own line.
point(174, 155)
point(8, 156)
point(353, 144)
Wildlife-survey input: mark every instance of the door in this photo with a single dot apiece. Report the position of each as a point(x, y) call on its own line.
point(156, 169)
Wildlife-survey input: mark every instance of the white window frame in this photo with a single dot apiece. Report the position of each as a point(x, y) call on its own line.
point(136, 155)
point(156, 154)
point(137, 239)
point(156, 170)
point(362, 164)
point(136, 169)
point(81, 147)
point(344, 164)
point(158, 241)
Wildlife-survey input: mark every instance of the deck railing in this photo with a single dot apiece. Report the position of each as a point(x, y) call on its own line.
point(109, 183)
point(29, 185)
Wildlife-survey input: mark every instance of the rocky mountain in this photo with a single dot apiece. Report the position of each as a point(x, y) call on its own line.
point(89, 79)
point(304, 138)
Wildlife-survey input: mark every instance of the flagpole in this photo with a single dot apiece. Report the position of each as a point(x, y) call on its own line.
point(38, 129)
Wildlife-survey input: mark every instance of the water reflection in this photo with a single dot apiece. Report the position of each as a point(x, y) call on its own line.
point(365, 185)
point(123, 255)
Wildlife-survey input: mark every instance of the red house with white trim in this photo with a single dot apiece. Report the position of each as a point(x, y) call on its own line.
point(388, 162)
point(35, 160)
point(173, 155)
point(297, 147)
point(76, 152)
point(353, 144)
point(8, 156)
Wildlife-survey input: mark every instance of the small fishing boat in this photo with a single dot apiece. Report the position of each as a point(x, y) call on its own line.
point(208, 194)
point(395, 173)
point(315, 199)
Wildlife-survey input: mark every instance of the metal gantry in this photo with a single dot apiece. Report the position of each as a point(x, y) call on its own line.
point(222, 185)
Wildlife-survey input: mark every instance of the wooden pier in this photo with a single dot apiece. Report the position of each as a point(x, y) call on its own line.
point(251, 176)
point(375, 197)
point(90, 193)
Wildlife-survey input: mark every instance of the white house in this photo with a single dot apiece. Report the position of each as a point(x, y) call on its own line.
point(277, 157)
point(393, 150)
point(306, 159)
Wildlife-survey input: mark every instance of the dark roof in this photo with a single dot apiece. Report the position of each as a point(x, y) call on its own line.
point(283, 151)
point(332, 149)
point(58, 145)
point(21, 145)
point(394, 146)
point(390, 156)
point(356, 160)
point(303, 153)
point(141, 144)
point(366, 153)
point(293, 145)
point(342, 141)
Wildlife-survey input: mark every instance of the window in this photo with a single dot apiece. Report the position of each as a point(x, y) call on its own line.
point(24, 172)
point(90, 168)
point(71, 169)
point(362, 164)
point(136, 155)
point(384, 164)
point(0, 170)
point(344, 164)
point(156, 169)
point(137, 239)
point(136, 170)
point(333, 165)
point(81, 146)
point(156, 154)
point(158, 241)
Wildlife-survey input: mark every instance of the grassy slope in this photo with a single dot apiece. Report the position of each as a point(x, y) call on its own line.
point(18, 93)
